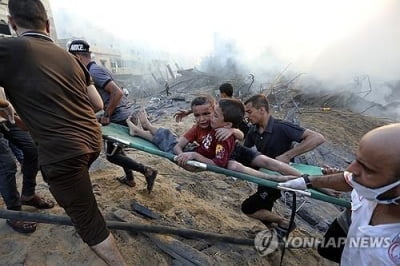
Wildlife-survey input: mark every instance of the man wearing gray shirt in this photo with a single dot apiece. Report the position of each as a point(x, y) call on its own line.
point(117, 109)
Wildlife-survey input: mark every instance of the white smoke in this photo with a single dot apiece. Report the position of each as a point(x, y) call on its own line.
point(342, 45)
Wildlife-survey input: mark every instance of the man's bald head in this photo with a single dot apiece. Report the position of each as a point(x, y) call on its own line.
point(385, 142)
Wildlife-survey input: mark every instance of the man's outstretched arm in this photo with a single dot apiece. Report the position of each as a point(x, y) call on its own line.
point(334, 181)
point(309, 141)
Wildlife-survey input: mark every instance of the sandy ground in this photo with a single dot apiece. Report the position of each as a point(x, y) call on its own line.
point(203, 201)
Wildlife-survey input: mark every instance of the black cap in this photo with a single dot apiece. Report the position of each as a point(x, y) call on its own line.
point(79, 46)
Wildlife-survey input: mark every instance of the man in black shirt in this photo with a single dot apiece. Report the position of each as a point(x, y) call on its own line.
point(273, 137)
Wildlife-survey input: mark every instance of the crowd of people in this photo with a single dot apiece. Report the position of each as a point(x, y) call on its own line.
point(56, 101)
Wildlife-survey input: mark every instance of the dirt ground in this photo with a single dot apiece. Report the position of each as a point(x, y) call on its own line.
point(340, 127)
point(203, 201)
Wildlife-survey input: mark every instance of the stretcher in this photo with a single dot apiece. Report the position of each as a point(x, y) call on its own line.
point(120, 134)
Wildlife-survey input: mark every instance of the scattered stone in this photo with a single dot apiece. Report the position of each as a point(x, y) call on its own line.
point(219, 184)
point(96, 189)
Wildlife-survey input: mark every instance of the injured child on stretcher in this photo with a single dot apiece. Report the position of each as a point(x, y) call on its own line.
point(215, 131)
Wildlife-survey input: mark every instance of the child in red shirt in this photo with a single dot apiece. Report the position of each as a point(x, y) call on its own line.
point(202, 108)
point(228, 114)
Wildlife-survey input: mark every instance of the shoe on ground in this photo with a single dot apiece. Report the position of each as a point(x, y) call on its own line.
point(38, 202)
point(22, 226)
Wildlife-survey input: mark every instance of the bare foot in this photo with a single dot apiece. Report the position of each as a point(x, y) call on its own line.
point(142, 115)
point(132, 128)
point(134, 118)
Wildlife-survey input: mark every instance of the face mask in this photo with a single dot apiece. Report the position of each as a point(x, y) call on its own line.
point(373, 194)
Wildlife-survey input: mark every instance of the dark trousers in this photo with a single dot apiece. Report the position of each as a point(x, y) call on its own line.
point(333, 253)
point(23, 141)
point(19, 155)
point(8, 185)
point(69, 183)
point(116, 155)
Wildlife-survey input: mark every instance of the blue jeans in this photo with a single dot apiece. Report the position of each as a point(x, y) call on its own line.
point(8, 168)
point(19, 155)
point(22, 140)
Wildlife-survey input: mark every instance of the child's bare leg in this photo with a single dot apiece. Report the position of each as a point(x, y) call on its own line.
point(146, 125)
point(238, 167)
point(136, 131)
point(266, 162)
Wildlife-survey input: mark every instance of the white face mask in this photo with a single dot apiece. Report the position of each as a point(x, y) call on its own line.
point(373, 194)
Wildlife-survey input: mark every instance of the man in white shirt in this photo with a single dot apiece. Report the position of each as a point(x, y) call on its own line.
point(374, 179)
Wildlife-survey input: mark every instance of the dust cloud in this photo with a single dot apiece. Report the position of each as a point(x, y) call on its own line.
point(343, 46)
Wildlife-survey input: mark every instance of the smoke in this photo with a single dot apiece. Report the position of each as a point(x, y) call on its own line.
point(372, 50)
point(364, 61)
point(342, 45)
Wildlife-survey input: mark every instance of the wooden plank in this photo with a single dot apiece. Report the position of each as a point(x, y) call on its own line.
point(178, 250)
point(139, 208)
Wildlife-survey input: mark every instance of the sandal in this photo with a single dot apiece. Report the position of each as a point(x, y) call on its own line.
point(38, 202)
point(126, 181)
point(22, 226)
point(150, 174)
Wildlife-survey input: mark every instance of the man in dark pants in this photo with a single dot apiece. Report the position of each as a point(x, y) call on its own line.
point(17, 153)
point(273, 137)
point(21, 140)
point(8, 187)
point(117, 109)
point(51, 92)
